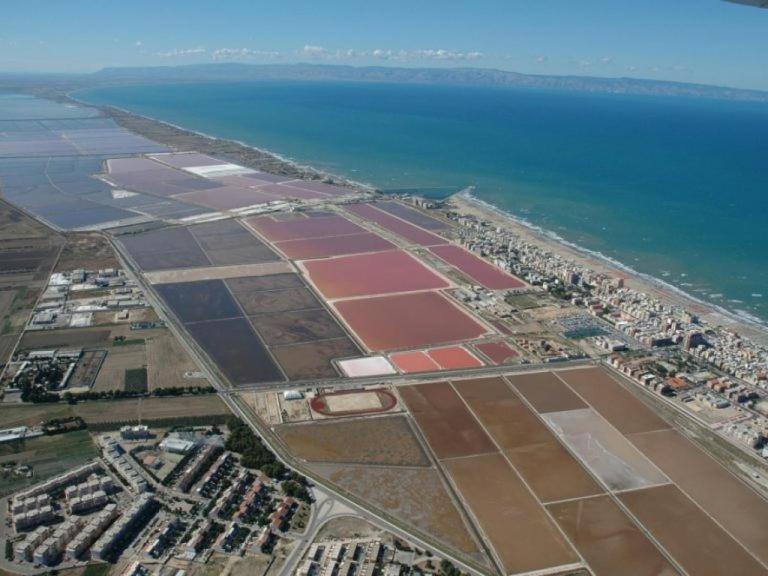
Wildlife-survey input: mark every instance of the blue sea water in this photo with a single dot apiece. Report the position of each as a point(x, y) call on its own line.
point(672, 187)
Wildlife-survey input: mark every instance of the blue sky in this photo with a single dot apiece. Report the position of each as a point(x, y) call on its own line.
point(707, 41)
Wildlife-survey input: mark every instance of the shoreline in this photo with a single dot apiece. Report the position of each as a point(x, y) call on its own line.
point(714, 315)
point(711, 313)
point(263, 159)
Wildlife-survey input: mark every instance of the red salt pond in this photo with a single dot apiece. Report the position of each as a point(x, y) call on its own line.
point(301, 228)
point(497, 352)
point(410, 362)
point(404, 321)
point(479, 270)
point(369, 274)
point(400, 227)
point(453, 358)
point(311, 248)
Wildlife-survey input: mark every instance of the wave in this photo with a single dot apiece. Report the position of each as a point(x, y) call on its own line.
point(737, 315)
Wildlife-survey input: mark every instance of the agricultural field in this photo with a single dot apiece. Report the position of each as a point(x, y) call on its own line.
point(168, 362)
point(120, 360)
point(384, 440)
point(69, 338)
point(91, 251)
point(47, 455)
point(28, 251)
point(105, 411)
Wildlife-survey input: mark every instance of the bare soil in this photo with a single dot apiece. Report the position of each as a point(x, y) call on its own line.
point(692, 537)
point(733, 504)
point(609, 541)
point(613, 401)
point(450, 428)
point(546, 392)
point(375, 440)
point(522, 535)
point(414, 495)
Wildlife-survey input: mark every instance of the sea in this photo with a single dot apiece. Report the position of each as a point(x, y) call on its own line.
point(673, 188)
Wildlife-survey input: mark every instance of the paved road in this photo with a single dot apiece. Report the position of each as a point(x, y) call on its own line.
point(399, 379)
point(324, 509)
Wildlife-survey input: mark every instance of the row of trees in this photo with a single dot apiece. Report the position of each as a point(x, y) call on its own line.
point(40, 395)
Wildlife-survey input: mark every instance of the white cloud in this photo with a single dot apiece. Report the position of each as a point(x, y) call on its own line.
point(176, 52)
point(314, 51)
point(441, 54)
point(138, 43)
point(541, 58)
point(321, 53)
point(606, 60)
point(243, 53)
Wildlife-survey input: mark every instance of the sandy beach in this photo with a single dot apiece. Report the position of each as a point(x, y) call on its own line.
point(465, 203)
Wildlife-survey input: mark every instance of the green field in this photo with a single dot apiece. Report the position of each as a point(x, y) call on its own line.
point(48, 456)
point(521, 301)
point(93, 412)
point(97, 570)
point(136, 380)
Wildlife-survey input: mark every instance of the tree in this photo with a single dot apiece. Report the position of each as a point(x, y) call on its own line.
point(296, 490)
point(448, 569)
point(253, 453)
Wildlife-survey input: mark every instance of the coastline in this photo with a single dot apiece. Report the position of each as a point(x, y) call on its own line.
point(466, 203)
point(184, 139)
point(255, 157)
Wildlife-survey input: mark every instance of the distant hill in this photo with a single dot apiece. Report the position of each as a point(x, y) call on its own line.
point(58, 84)
point(467, 76)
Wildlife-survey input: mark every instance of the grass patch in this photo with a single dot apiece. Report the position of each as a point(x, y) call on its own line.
point(136, 380)
point(127, 341)
point(97, 570)
point(48, 456)
point(521, 301)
